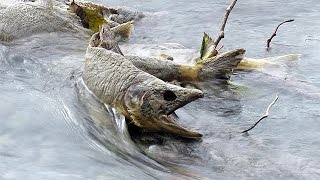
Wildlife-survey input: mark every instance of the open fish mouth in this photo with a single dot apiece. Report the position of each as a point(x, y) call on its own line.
point(169, 122)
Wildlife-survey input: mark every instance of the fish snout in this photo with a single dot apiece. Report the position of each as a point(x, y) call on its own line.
point(177, 99)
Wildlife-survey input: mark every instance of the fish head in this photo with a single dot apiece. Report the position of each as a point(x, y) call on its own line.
point(150, 106)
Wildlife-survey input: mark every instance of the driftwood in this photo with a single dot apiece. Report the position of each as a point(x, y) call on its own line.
point(208, 46)
point(223, 25)
point(275, 33)
point(264, 116)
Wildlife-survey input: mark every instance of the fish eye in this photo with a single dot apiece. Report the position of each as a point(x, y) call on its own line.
point(169, 95)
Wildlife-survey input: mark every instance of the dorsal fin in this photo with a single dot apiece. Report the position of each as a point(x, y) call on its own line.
point(207, 48)
point(107, 39)
point(124, 29)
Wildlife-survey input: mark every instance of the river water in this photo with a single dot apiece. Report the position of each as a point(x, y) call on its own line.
point(52, 128)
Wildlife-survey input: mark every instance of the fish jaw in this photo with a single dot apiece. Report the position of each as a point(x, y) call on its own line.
point(150, 105)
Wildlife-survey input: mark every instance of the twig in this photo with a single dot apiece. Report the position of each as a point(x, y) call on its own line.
point(264, 116)
point(275, 32)
point(222, 46)
point(224, 22)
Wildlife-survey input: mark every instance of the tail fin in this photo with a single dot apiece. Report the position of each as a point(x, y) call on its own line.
point(251, 63)
point(286, 57)
point(124, 29)
point(220, 66)
point(207, 48)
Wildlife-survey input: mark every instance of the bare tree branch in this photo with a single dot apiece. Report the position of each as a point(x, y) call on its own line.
point(224, 22)
point(275, 32)
point(264, 116)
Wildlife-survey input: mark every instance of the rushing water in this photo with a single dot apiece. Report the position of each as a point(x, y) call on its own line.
point(52, 128)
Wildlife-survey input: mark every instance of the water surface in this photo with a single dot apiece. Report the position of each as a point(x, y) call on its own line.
point(52, 128)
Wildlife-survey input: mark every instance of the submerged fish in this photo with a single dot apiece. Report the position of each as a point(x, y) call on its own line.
point(216, 67)
point(20, 19)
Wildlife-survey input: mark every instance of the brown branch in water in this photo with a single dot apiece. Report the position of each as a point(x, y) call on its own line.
point(275, 32)
point(224, 22)
point(264, 116)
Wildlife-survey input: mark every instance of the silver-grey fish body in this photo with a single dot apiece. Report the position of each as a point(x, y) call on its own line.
point(141, 97)
point(108, 75)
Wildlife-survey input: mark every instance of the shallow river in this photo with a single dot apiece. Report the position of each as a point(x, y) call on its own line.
point(52, 128)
